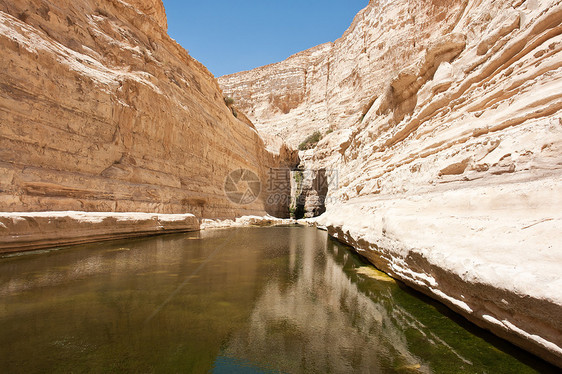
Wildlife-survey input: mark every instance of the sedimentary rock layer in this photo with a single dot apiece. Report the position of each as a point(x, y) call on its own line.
point(100, 110)
point(29, 231)
point(287, 99)
point(447, 146)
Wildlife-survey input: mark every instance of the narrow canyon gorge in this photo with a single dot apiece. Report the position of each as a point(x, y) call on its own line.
point(440, 133)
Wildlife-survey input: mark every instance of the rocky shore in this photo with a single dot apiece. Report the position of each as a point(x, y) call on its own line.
point(40, 230)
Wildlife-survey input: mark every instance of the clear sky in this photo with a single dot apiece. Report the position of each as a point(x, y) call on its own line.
point(236, 35)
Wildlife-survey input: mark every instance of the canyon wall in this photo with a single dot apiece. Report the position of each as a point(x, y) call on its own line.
point(445, 139)
point(331, 86)
point(100, 110)
point(287, 99)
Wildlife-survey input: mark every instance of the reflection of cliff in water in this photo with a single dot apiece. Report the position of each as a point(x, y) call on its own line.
point(323, 316)
point(285, 298)
point(161, 304)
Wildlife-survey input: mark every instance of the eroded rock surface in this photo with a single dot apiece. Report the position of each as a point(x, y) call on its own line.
point(100, 110)
point(37, 230)
point(447, 142)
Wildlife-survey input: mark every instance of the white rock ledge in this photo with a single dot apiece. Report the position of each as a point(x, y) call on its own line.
point(247, 221)
point(37, 230)
point(500, 277)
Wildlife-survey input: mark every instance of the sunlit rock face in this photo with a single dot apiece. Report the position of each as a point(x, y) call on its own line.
point(152, 8)
point(447, 143)
point(332, 85)
point(100, 110)
point(287, 99)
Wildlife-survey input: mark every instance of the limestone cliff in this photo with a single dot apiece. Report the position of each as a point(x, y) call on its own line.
point(447, 144)
point(287, 99)
point(100, 110)
point(332, 85)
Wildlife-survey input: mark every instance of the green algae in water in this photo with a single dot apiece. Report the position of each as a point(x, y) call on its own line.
point(256, 300)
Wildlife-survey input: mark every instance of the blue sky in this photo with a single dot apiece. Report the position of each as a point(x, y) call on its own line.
point(232, 36)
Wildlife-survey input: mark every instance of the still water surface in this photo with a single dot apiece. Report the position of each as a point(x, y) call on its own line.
point(253, 300)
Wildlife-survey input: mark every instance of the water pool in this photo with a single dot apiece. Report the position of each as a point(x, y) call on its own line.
point(244, 300)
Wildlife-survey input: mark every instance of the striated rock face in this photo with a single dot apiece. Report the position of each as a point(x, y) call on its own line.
point(331, 86)
point(447, 144)
point(100, 110)
point(287, 99)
